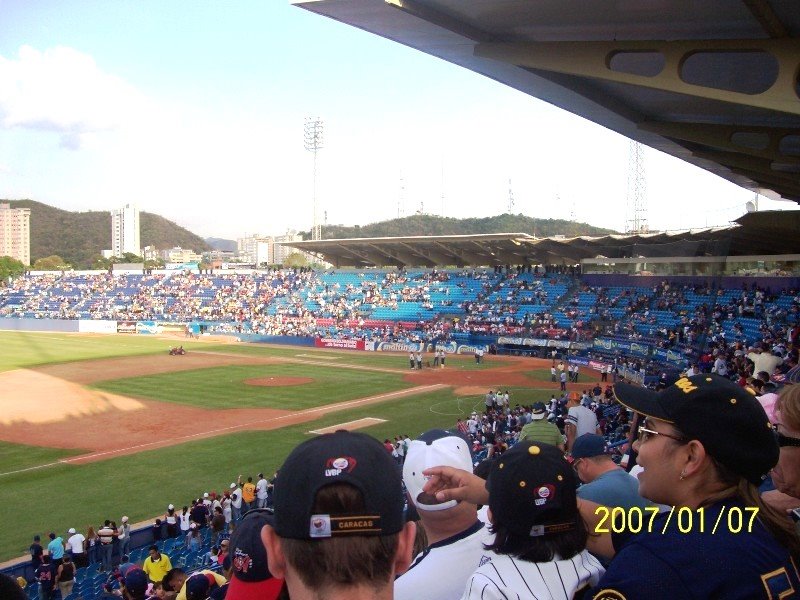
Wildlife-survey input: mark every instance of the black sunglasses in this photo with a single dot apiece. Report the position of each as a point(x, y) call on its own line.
point(785, 441)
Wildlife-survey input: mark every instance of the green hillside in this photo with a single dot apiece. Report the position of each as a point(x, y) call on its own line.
point(434, 225)
point(79, 237)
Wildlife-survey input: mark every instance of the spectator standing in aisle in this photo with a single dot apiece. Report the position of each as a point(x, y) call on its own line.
point(106, 538)
point(124, 536)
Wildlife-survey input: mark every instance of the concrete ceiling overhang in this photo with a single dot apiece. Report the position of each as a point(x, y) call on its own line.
point(764, 233)
point(714, 83)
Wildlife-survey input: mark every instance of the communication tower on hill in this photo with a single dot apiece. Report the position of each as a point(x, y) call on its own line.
point(312, 139)
point(636, 196)
point(401, 198)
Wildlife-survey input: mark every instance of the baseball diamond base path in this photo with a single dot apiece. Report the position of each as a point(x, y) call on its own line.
point(49, 406)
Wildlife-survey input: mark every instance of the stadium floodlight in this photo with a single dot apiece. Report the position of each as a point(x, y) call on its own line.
point(312, 138)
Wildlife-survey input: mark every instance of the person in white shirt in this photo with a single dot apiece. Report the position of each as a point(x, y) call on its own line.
point(720, 366)
point(236, 502)
point(765, 361)
point(580, 420)
point(76, 547)
point(455, 534)
point(261, 491)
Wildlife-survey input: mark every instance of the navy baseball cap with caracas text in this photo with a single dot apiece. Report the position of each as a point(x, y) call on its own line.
point(343, 457)
point(726, 418)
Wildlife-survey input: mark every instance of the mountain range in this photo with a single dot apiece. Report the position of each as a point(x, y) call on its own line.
point(78, 237)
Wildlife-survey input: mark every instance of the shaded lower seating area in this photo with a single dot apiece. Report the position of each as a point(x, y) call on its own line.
point(92, 584)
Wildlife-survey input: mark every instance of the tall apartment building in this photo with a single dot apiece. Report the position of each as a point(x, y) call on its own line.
point(255, 249)
point(125, 231)
point(15, 233)
point(283, 248)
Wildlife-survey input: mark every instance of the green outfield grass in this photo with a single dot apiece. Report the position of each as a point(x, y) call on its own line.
point(27, 349)
point(224, 387)
point(141, 485)
point(540, 375)
point(20, 456)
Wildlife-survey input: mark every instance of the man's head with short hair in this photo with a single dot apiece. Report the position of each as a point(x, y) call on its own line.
point(338, 517)
point(173, 580)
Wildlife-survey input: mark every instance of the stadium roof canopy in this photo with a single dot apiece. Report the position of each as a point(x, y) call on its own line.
point(714, 83)
point(767, 233)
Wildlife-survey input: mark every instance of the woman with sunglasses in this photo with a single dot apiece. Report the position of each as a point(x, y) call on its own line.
point(704, 448)
point(786, 474)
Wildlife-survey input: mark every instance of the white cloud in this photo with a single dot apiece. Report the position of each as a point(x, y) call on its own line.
point(62, 90)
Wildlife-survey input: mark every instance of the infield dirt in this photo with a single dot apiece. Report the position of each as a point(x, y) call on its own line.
point(49, 406)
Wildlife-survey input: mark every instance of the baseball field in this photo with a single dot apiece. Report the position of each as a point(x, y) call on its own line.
point(97, 426)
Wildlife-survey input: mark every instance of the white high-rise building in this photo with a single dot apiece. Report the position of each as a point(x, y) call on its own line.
point(255, 249)
point(125, 231)
point(15, 233)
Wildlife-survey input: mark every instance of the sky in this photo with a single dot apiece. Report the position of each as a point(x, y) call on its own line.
point(195, 111)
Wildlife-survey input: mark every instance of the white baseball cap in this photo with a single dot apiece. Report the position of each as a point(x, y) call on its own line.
point(71, 530)
point(233, 486)
point(205, 494)
point(171, 507)
point(434, 448)
point(124, 519)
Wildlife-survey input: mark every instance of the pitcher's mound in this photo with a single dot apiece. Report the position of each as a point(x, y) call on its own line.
point(278, 381)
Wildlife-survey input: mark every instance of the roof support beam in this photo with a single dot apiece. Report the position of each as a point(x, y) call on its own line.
point(758, 166)
point(770, 22)
point(723, 137)
point(594, 59)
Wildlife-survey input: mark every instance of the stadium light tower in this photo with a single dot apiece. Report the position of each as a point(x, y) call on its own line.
point(637, 191)
point(312, 139)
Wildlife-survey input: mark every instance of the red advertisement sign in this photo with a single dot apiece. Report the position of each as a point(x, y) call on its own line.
point(334, 343)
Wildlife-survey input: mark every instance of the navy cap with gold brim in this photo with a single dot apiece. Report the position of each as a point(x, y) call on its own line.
point(727, 419)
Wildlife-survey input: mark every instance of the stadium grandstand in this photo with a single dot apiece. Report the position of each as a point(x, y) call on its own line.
point(662, 297)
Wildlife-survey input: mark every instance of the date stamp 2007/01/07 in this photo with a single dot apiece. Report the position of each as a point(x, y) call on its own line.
point(687, 520)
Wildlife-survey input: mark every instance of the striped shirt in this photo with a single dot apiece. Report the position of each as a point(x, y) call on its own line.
point(503, 577)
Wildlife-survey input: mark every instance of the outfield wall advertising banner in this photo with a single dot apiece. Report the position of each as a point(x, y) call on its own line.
point(148, 327)
point(92, 326)
point(449, 347)
point(632, 376)
point(670, 356)
point(586, 362)
point(471, 348)
point(626, 347)
point(541, 343)
point(126, 326)
point(519, 341)
point(399, 347)
point(334, 343)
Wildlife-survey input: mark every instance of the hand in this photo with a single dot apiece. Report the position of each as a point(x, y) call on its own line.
point(448, 483)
